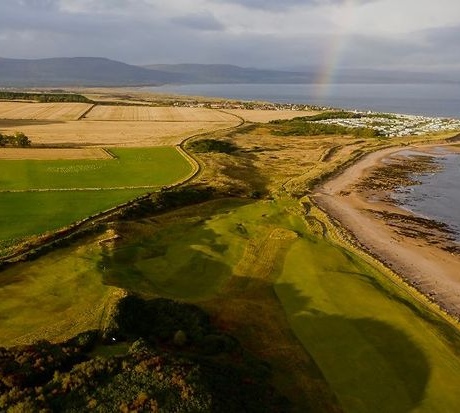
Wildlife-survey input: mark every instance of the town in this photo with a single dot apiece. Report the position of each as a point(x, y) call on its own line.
point(396, 124)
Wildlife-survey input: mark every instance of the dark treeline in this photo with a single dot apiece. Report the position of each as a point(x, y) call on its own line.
point(18, 139)
point(168, 358)
point(45, 97)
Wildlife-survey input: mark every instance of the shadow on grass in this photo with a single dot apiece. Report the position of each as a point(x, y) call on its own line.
point(450, 333)
point(371, 365)
point(152, 267)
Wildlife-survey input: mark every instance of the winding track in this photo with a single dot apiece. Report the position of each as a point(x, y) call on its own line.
point(94, 219)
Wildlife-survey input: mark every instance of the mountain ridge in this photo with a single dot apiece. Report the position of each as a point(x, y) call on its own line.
point(104, 72)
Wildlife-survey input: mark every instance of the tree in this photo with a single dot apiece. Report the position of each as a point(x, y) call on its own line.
point(21, 140)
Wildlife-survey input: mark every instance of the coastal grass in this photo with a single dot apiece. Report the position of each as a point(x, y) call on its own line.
point(53, 298)
point(379, 347)
point(182, 256)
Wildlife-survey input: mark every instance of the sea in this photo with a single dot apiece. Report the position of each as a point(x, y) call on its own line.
point(437, 100)
point(438, 195)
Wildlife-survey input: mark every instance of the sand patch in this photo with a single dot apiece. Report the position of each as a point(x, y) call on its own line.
point(432, 270)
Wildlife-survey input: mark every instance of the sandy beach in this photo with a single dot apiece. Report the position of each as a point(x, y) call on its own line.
point(425, 265)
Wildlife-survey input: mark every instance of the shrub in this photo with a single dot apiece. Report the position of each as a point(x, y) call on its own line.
point(212, 145)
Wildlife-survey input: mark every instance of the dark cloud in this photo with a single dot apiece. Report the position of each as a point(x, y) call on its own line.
point(440, 46)
point(143, 32)
point(287, 4)
point(442, 35)
point(203, 21)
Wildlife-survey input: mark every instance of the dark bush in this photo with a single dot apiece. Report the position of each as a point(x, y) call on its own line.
point(212, 145)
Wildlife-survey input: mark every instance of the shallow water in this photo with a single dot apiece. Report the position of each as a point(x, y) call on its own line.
point(438, 195)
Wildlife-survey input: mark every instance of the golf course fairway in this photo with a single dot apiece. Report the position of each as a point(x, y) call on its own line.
point(380, 348)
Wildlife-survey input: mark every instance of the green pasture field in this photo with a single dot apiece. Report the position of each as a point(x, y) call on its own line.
point(379, 347)
point(29, 213)
point(26, 212)
point(131, 167)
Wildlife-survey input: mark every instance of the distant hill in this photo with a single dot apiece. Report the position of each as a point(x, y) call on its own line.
point(202, 73)
point(77, 71)
point(199, 73)
point(96, 71)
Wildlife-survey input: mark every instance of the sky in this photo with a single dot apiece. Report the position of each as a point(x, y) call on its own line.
point(421, 35)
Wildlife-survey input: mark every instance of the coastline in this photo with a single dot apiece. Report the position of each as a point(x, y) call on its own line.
point(426, 264)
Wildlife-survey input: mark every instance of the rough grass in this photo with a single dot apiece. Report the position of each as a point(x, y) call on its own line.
point(52, 298)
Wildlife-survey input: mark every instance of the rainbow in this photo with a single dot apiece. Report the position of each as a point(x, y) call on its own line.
point(333, 52)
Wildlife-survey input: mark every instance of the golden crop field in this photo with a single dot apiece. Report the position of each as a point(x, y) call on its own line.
point(53, 153)
point(157, 114)
point(42, 111)
point(265, 116)
point(120, 133)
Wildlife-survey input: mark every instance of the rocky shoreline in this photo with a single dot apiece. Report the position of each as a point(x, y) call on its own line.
point(421, 251)
point(395, 174)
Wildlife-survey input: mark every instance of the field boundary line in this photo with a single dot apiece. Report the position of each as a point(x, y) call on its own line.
point(86, 112)
point(73, 228)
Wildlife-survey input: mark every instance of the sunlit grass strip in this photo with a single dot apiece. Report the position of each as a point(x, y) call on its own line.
point(130, 168)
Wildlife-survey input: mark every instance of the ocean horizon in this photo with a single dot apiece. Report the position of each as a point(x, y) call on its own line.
point(435, 100)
